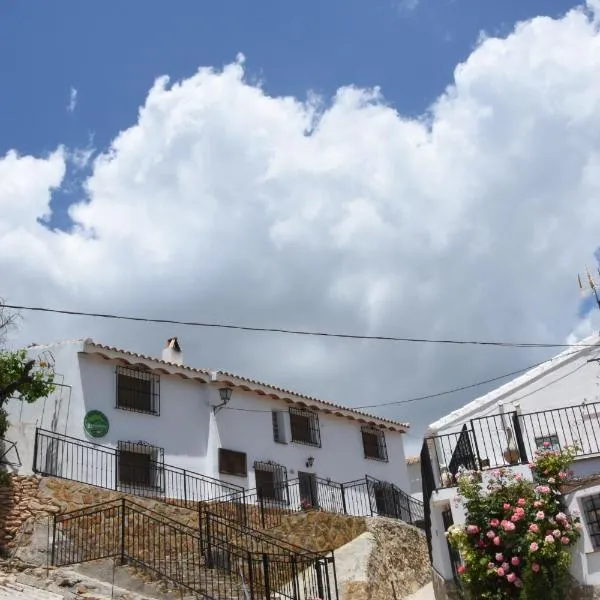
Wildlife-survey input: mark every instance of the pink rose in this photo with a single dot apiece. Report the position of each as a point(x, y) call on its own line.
point(507, 525)
point(556, 533)
point(564, 540)
point(535, 567)
point(491, 534)
point(506, 506)
point(515, 518)
point(533, 547)
point(515, 560)
point(562, 475)
point(491, 565)
point(521, 502)
point(538, 504)
point(499, 557)
point(520, 511)
point(546, 444)
point(519, 476)
point(472, 529)
point(540, 515)
point(534, 528)
point(506, 567)
point(500, 572)
point(511, 577)
point(461, 569)
point(561, 517)
point(549, 539)
point(494, 523)
point(497, 541)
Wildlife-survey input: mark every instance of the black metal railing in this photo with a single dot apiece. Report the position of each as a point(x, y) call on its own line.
point(502, 440)
point(265, 509)
point(220, 561)
point(82, 461)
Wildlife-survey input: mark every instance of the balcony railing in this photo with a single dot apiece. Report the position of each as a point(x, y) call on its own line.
point(506, 439)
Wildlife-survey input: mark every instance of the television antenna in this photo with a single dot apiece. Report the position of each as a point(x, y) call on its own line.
point(591, 285)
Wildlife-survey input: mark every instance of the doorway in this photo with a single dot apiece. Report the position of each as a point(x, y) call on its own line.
point(307, 482)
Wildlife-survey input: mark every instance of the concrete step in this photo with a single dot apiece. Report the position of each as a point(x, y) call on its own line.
point(12, 590)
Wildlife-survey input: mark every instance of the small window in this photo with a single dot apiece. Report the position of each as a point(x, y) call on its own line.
point(305, 427)
point(278, 430)
point(591, 509)
point(232, 463)
point(550, 442)
point(140, 465)
point(374, 444)
point(138, 390)
point(271, 481)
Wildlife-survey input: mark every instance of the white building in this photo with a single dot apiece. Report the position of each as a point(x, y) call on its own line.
point(122, 420)
point(557, 402)
point(415, 486)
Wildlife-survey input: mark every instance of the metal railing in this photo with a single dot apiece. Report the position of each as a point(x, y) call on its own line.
point(78, 460)
point(221, 561)
point(362, 497)
point(502, 440)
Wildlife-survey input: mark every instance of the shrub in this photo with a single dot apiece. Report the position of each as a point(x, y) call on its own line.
point(518, 537)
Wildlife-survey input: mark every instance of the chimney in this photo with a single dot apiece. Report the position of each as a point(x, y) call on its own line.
point(172, 352)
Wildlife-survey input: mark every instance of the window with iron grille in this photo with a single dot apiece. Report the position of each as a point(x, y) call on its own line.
point(550, 441)
point(232, 462)
point(591, 510)
point(140, 465)
point(278, 427)
point(271, 481)
point(305, 427)
point(138, 390)
point(374, 444)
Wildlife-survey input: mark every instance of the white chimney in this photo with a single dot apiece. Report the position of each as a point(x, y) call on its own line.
point(172, 352)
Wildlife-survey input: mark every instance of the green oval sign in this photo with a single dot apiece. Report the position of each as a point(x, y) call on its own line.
point(95, 424)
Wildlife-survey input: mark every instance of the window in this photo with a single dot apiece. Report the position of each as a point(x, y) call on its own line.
point(271, 481)
point(591, 510)
point(140, 465)
point(305, 427)
point(547, 441)
point(232, 462)
point(278, 427)
point(138, 390)
point(374, 444)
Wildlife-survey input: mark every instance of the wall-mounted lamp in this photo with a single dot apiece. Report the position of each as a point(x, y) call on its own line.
point(225, 394)
point(310, 461)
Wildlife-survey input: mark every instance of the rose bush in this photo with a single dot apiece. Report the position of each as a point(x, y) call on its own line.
point(517, 539)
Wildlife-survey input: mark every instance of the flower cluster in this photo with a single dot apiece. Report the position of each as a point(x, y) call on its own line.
point(517, 538)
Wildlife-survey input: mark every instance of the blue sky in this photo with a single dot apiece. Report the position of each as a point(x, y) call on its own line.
point(110, 52)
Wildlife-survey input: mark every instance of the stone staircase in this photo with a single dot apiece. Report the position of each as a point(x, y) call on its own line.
point(10, 589)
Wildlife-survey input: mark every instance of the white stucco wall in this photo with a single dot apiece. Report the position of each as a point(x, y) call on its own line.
point(188, 430)
point(414, 479)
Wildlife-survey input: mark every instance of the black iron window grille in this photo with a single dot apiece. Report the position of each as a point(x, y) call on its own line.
point(140, 465)
point(138, 390)
point(271, 481)
point(305, 427)
point(278, 427)
point(550, 442)
point(374, 444)
point(591, 509)
point(232, 462)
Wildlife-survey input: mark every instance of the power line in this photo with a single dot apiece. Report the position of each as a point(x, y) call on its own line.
point(438, 394)
point(297, 331)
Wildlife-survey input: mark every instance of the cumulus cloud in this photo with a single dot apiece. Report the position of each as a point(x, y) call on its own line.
point(223, 203)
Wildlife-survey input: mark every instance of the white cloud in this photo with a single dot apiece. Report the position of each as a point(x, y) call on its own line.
point(72, 100)
point(217, 206)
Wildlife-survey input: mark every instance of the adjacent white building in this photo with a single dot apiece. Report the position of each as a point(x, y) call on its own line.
point(124, 420)
point(558, 403)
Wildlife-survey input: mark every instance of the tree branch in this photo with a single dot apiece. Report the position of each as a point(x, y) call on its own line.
point(25, 377)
